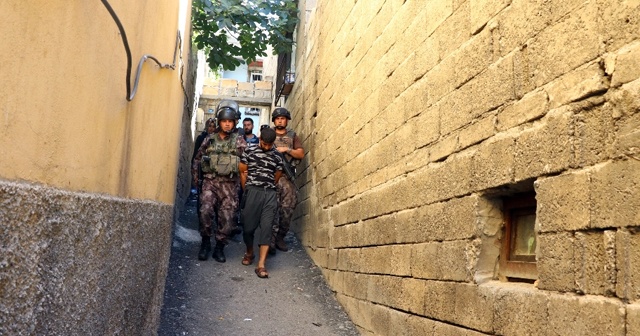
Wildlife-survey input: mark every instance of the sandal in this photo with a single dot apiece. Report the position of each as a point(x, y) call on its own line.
point(248, 259)
point(261, 272)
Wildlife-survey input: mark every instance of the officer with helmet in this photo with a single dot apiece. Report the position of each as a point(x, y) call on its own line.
point(218, 157)
point(289, 145)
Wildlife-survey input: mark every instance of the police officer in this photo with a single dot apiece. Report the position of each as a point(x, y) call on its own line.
point(289, 145)
point(218, 157)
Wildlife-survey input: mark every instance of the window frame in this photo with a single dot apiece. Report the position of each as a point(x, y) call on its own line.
point(511, 269)
point(255, 73)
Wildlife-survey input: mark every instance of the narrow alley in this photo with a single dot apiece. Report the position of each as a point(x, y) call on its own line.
point(211, 298)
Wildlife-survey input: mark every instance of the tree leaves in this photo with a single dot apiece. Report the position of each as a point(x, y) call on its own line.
point(234, 31)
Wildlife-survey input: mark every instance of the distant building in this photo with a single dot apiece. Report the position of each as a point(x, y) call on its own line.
point(246, 84)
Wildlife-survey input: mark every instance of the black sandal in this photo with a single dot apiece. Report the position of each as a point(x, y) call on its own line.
point(262, 273)
point(248, 259)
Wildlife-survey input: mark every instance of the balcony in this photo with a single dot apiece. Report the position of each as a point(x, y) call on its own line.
point(246, 94)
point(285, 78)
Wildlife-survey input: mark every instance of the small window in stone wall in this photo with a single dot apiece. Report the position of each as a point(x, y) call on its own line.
point(518, 248)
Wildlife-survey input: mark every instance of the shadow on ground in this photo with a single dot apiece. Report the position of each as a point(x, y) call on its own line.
point(211, 298)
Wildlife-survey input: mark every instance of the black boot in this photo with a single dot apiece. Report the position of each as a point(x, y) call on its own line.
point(205, 248)
point(280, 244)
point(218, 252)
point(272, 250)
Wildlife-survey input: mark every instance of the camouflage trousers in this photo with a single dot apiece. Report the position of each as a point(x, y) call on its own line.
point(219, 197)
point(287, 200)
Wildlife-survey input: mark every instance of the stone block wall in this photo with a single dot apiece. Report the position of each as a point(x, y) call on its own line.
point(419, 117)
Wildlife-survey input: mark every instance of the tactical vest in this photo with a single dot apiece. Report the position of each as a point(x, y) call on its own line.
point(222, 156)
point(287, 141)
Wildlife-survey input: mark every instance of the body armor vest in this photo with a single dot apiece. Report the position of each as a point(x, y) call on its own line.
point(287, 141)
point(221, 156)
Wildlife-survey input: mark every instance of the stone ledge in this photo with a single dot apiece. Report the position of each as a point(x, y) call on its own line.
point(71, 262)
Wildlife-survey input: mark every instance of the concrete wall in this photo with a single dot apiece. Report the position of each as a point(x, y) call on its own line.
point(419, 116)
point(87, 179)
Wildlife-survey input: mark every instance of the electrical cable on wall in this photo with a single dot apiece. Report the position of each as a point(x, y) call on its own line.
point(131, 93)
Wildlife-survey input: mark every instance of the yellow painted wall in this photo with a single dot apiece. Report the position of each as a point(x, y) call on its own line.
point(64, 118)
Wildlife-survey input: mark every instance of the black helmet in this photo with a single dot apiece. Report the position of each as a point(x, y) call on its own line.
point(280, 112)
point(226, 113)
point(228, 103)
point(238, 115)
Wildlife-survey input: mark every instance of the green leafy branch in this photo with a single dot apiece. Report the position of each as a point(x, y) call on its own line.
point(234, 31)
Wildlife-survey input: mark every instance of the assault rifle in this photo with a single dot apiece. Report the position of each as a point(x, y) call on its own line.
point(288, 170)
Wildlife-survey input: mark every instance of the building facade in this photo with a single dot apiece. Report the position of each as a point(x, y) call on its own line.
point(473, 166)
point(248, 85)
point(87, 177)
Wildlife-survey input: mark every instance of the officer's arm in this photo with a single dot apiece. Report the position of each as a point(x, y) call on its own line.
point(297, 152)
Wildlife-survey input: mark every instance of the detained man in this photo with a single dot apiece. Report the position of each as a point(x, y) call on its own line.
point(260, 169)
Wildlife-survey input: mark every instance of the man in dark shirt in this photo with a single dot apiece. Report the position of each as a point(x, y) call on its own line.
point(209, 128)
point(260, 169)
point(249, 137)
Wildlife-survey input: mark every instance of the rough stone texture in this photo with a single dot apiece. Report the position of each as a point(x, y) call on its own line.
point(420, 116)
point(585, 315)
point(563, 202)
point(494, 163)
point(416, 325)
point(443, 329)
point(624, 101)
point(620, 181)
point(473, 307)
point(545, 57)
point(627, 66)
point(555, 258)
point(628, 263)
point(355, 285)
point(546, 147)
point(520, 310)
point(392, 259)
point(385, 290)
point(483, 10)
point(633, 319)
point(439, 300)
point(74, 263)
point(575, 85)
point(439, 221)
point(440, 261)
point(594, 135)
point(532, 106)
point(590, 263)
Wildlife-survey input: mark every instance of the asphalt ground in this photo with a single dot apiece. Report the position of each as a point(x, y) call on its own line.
point(212, 298)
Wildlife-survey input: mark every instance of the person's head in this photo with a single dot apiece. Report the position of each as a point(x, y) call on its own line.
point(227, 115)
point(226, 120)
point(211, 125)
point(267, 137)
point(280, 118)
point(247, 125)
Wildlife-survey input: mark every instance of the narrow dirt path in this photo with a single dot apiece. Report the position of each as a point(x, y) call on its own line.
point(211, 298)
